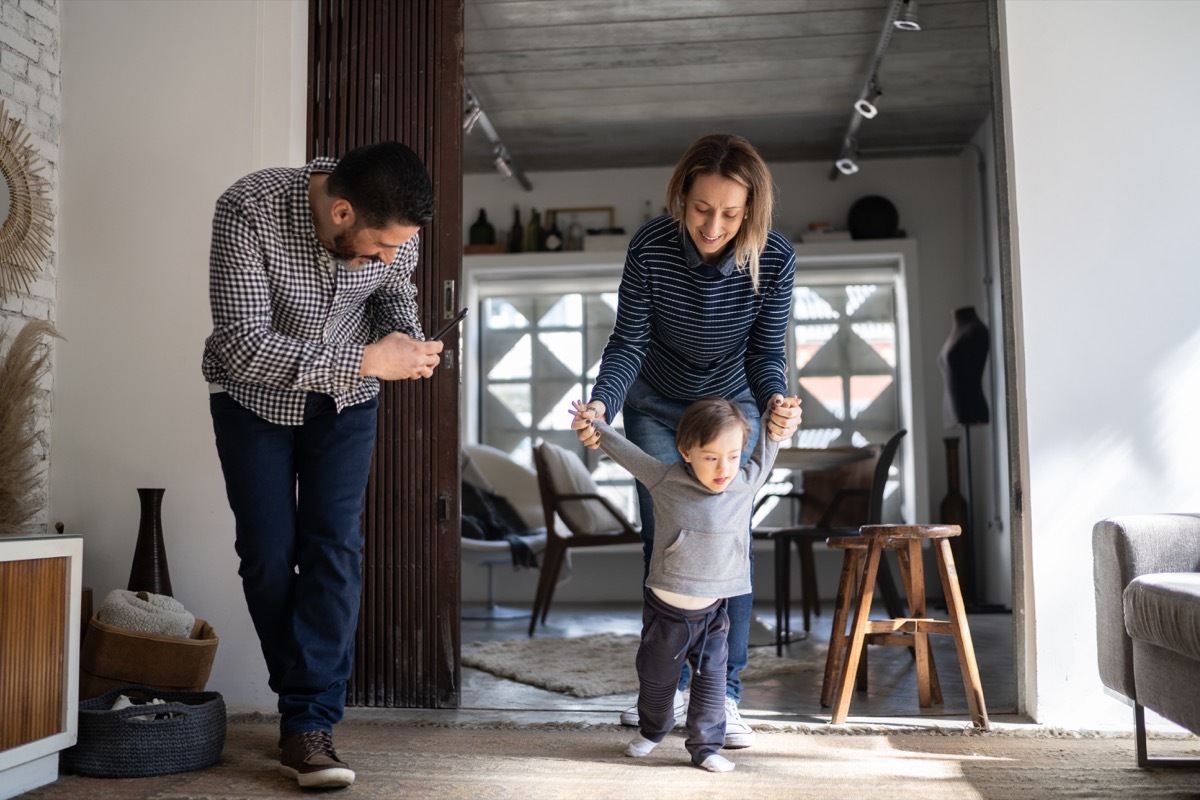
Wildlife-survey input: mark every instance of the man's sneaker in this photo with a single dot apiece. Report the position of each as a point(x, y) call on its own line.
point(629, 716)
point(737, 733)
point(309, 757)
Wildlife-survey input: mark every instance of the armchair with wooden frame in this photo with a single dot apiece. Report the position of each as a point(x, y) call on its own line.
point(577, 516)
point(834, 502)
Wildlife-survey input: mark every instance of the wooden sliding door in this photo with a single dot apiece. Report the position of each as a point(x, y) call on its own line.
point(392, 69)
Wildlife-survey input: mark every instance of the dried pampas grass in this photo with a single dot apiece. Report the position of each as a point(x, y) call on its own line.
point(20, 372)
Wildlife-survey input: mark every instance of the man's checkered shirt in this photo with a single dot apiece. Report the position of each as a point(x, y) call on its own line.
point(287, 318)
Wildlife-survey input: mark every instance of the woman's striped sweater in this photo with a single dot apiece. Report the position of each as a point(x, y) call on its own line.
point(696, 332)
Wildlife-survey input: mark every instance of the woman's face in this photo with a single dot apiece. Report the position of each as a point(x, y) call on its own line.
point(713, 212)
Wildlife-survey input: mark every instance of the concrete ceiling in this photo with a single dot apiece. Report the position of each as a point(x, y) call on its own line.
point(589, 84)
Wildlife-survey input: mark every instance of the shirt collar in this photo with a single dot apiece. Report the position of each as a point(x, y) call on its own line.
point(302, 214)
point(726, 266)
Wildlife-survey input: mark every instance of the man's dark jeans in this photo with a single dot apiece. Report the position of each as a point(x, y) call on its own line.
point(297, 495)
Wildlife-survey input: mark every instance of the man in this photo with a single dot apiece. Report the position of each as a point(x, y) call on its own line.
point(313, 304)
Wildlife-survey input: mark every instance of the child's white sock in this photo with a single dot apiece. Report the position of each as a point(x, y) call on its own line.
point(717, 763)
point(640, 746)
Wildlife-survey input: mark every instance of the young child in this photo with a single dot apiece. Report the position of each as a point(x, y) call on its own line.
point(701, 556)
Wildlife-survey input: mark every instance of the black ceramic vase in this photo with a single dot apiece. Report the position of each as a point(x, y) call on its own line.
point(149, 572)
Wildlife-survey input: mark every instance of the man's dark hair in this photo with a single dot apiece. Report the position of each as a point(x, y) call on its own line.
point(386, 184)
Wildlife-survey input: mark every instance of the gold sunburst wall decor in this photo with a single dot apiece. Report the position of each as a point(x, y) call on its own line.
point(26, 232)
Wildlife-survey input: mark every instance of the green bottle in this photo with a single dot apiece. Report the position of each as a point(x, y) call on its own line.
point(533, 232)
point(516, 235)
point(482, 231)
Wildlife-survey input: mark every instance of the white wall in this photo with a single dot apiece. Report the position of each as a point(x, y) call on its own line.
point(1104, 170)
point(164, 105)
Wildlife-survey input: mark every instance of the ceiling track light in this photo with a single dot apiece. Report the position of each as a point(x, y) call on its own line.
point(501, 162)
point(864, 107)
point(907, 21)
point(474, 115)
point(470, 117)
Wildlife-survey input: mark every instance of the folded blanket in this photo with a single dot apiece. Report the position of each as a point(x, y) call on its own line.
point(144, 612)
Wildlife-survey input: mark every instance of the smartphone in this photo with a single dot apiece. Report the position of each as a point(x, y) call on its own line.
point(449, 326)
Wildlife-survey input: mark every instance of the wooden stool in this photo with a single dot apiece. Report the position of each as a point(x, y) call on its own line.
point(854, 548)
point(911, 631)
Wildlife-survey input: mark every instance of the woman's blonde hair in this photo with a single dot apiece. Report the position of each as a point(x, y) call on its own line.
point(732, 157)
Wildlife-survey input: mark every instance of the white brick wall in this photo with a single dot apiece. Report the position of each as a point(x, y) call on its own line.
point(31, 89)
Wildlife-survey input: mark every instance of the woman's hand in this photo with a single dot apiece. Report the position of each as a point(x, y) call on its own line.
point(584, 414)
point(785, 418)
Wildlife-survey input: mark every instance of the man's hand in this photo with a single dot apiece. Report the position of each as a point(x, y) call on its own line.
point(398, 357)
point(785, 418)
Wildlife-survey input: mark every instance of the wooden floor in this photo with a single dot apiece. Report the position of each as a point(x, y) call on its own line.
point(891, 693)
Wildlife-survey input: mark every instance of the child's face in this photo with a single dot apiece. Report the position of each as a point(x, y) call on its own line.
point(716, 462)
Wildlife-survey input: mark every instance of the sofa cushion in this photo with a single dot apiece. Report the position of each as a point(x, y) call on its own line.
point(1164, 609)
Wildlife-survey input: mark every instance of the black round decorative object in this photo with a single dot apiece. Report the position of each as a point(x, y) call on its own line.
point(873, 217)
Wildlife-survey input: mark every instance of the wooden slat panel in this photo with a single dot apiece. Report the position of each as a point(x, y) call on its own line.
point(33, 620)
point(392, 69)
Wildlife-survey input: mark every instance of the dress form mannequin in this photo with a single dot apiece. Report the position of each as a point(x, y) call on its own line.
point(962, 362)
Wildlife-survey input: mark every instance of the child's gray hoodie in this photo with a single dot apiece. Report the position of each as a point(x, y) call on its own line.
point(701, 537)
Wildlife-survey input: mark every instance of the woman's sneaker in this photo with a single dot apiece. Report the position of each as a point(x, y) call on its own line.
point(309, 757)
point(737, 733)
point(629, 716)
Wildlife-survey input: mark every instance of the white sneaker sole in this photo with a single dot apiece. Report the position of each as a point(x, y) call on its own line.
point(326, 778)
point(738, 741)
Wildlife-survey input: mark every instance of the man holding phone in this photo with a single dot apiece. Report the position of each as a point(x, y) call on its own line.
point(310, 282)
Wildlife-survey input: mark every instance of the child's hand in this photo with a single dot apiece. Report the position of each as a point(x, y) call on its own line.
point(582, 424)
point(785, 417)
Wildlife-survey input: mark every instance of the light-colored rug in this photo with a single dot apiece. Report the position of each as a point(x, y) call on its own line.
point(438, 759)
point(591, 666)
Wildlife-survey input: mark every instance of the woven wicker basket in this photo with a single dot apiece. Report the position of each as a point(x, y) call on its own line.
point(141, 740)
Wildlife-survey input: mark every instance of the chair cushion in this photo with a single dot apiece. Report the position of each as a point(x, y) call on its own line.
point(569, 475)
point(494, 471)
point(1164, 609)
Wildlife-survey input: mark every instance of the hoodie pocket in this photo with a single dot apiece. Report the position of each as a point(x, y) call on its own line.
point(701, 556)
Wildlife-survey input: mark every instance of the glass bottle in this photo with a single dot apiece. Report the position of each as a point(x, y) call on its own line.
point(553, 242)
point(533, 232)
point(482, 231)
point(574, 235)
point(516, 234)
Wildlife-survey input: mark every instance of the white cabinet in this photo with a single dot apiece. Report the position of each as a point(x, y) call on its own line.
point(40, 584)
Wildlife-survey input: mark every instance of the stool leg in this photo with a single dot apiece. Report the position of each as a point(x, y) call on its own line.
point(914, 589)
point(862, 612)
point(808, 581)
point(912, 586)
point(962, 634)
point(782, 600)
point(847, 588)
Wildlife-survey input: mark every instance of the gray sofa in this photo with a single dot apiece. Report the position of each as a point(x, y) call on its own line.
point(1147, 578)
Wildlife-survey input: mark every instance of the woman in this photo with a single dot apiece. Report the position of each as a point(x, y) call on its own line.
point(703, 309)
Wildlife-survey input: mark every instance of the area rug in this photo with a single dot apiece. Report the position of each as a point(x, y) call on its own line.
point(590, 666)
point(440, 759)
